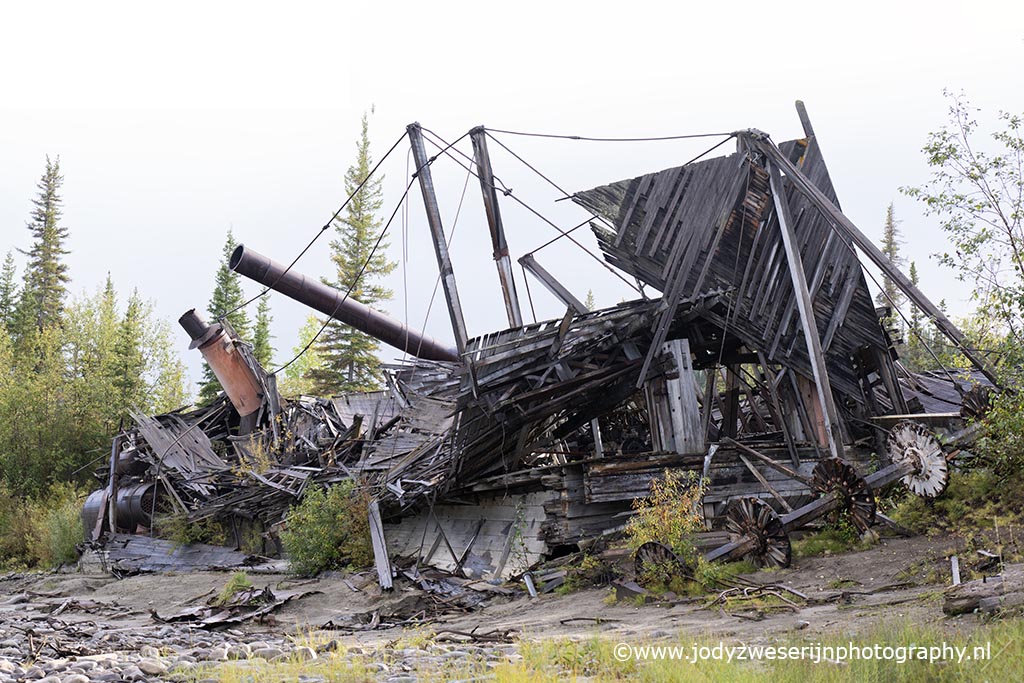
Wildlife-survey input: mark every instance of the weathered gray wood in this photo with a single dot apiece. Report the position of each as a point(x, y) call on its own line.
point(866, 245)
point(380, 547)
point(500, 246)
point(552, 284)
point(806, 309)
point(683, 403)
point(991, 594)
point(444, 263)
point(764, 482)
point(595, 429)
point(779, 467)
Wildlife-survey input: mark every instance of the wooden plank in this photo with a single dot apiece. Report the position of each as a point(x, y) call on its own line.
point(764, 482)
point(689, 434)
point(499, 245)
point(444, 263)
point(380, 548)
point(552, 284)
point(805, 307)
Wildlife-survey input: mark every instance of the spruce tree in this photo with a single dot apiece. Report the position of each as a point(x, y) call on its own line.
point(227, 296)
point(589, 301)
point(261, 336)
point(46, 277)
point(130, 389)
point(890, 295)
point(348, 356)
point(296, 376)
point(914, 355)
point(8, 292)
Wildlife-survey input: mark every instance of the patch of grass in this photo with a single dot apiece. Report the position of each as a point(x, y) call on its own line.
point(838, 536)
point(595, 658)
point(974, 499)
point(238, 582)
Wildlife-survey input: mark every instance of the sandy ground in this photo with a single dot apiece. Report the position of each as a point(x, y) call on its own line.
point(847, 593)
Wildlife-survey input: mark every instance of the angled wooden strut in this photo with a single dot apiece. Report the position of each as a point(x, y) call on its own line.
point(494, 224)
point(444, 263)
point(806, 308)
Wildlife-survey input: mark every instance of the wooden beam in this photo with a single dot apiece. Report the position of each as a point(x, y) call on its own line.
point(380, 547)
point(682, 394)
point(764, 482)
point(444, 263)
point(775, 465)
point(806, 308)
point(552, 285)
point(501, 258)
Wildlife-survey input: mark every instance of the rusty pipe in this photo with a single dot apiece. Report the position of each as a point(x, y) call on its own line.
point(330, 302)
point(220, 353)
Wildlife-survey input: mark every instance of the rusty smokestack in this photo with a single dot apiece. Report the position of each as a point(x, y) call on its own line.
point(219, 351)
point(330, 302)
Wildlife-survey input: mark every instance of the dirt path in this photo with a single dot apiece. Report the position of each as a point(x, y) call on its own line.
point(846, 593)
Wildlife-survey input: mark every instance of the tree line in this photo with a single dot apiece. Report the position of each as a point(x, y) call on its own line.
point(73, 367)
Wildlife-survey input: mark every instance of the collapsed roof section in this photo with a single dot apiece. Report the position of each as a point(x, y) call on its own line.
point(712, 226)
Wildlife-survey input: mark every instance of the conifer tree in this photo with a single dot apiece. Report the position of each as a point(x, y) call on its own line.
point(914, 355)
point(348, 356)
point(589, 301)
point(8, 292)
point(129, 357)
point(891, 295)
point(296, 376)
point(227, 296)
point(46, 277)
point(261, 336)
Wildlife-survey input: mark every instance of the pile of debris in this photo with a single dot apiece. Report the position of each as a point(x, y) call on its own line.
point(763, 367)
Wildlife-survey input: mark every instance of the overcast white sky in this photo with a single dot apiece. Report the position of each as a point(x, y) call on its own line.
point(174, 123)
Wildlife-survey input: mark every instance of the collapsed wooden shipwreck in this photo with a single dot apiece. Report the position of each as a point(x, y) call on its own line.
point(763, 367)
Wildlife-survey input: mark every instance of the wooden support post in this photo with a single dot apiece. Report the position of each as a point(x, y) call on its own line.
point(816, 418)
point(380, 547)
point(501, 259)
point(710, 397)
point(730, 416)
point(444, 263)
point(595, 428)
point(552, 285)
point(850, 231)
point(682, 394)
point(806, 308)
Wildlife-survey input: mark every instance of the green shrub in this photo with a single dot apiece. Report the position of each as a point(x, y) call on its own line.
point(41, 532)
point(57, 527)
point(15, 529)
point(590, 571)
point(177, 529)
point(669, 515)
point(329, 529)
point(1002, 447)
